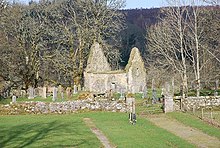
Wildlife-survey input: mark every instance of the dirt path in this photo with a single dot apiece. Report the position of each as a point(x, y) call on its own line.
point(98, 133)
point(194, 136)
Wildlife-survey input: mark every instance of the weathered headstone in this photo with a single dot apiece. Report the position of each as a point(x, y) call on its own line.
point(44, 92)
point(74, 89)
point(216, 87)
point(131, 106)
point(144, 95)
point(154, 92)
point(79, 88)
point(168, 99)
point(54, 94)
point(62, 96)
point(122, 95)
point(23, 93)
point(36, 92)
point(68, 92)
point(30, 93)
point(113, 87)
point(154, 96)
point(13, 99)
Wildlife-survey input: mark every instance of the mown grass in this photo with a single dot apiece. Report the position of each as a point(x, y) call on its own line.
point(144, 134)
point(45, 131)
point(194, 122)
point(70, 131)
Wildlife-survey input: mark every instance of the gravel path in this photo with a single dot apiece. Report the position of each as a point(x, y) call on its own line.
point(190, 134)
point(98, 133)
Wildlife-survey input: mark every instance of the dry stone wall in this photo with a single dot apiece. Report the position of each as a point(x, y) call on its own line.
point(63, 107)
point(201, 102)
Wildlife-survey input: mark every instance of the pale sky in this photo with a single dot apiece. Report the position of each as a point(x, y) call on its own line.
point(144, 3)
point(134, 3)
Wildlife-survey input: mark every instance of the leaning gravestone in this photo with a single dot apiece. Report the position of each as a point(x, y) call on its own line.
point(54, 94)
point(13, 99)
point(30, 93)
point(168, 99)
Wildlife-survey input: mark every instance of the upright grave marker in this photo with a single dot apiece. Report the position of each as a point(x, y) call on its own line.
point(168, 99)
point(30, 93)
point(54, 94)
point(13, 99)
point(130, 101)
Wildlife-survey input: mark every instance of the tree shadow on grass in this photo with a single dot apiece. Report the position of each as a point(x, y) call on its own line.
point(42, 134)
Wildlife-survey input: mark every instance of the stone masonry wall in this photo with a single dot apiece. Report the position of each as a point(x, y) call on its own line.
point(201, 102)
point(62, 107)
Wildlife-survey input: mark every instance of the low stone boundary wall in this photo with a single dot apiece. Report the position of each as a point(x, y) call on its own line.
point(62, 107)
point(200, 102)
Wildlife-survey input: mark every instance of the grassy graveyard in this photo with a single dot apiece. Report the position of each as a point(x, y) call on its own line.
point(70, 130)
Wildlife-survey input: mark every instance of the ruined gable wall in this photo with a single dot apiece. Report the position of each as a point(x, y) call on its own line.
point(97, 62)
point(136, 72)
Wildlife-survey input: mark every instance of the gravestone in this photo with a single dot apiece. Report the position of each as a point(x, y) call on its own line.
point(23, 93)
point(54, 94)
point(144, 95)
point(74, 89)
point(30, 93)
point(60, 90)
point(44, 92)
point(68, 92)
point(168, 99)
point(154, 96)
point(62, 96)
point(122, 95)
point(154, 92)
point(36, 92)
point(216, 87)
point(79, 88)
point(130, 102)
point(113, 87)
point(13, 99)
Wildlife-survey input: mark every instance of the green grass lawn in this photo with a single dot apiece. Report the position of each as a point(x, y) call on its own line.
point(194, 122)
point(144, 134)
point(45, 131)
point(70, 131)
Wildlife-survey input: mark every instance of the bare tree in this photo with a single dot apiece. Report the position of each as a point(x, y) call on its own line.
point(82, 24)
point(166, 40)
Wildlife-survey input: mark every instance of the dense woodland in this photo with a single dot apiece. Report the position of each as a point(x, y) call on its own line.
point(49, 41)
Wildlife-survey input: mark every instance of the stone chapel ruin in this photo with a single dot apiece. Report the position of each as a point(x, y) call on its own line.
point(100, 78)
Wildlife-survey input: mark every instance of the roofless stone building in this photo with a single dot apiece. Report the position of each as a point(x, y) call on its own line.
point(100, 78)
